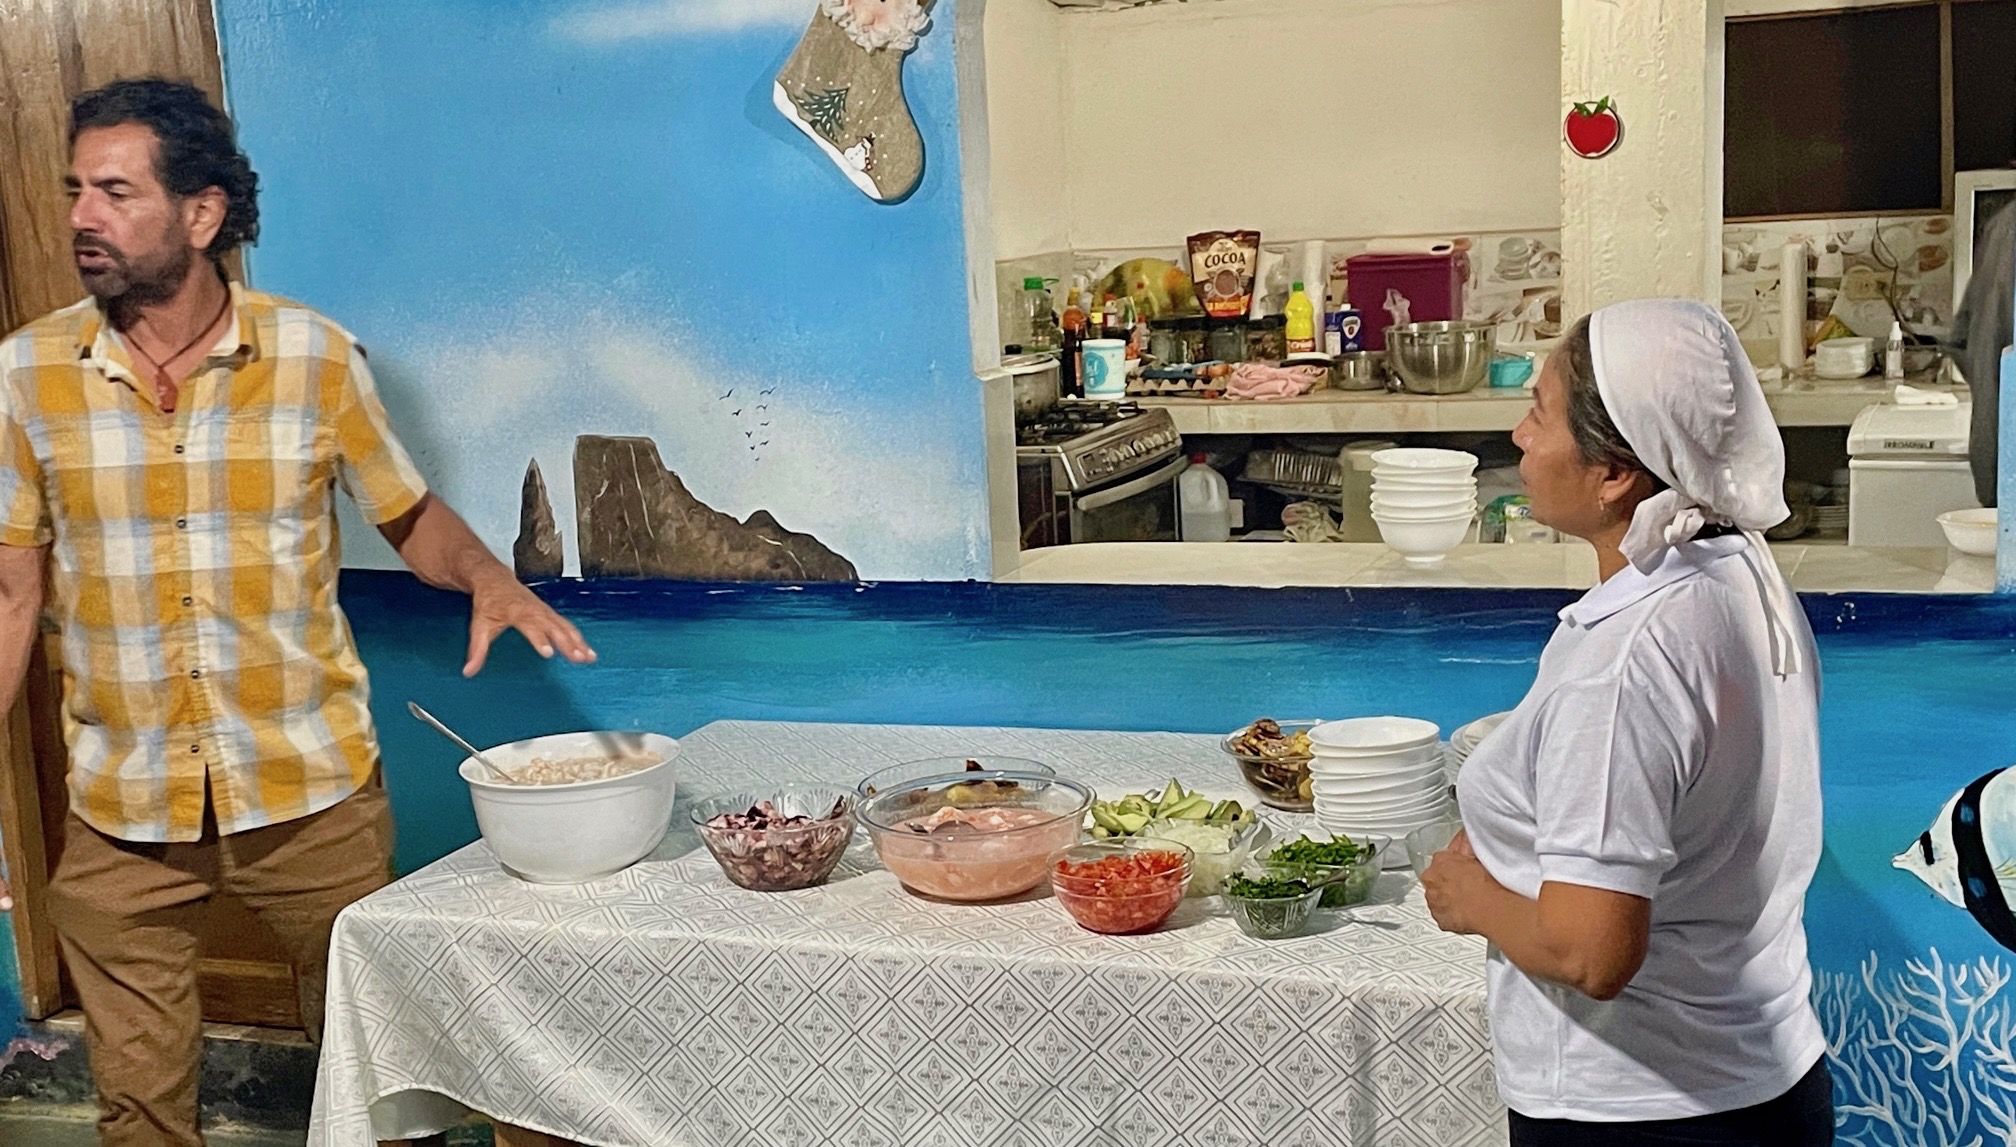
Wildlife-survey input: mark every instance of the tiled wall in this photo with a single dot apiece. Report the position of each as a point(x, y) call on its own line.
point(1914, 252)
point(1515, 277)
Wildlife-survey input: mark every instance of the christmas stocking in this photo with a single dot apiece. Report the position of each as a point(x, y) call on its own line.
point(843, 87)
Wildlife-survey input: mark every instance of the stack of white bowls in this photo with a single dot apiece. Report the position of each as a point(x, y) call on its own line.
point(1382, 776)
point(1424, 500)
point(1465, 740)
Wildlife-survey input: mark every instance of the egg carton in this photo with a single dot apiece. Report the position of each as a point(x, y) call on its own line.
point(1178, 387)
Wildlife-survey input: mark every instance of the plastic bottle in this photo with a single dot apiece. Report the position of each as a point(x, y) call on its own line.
point(1893, 357)
point(1039, 315)
point(1115, 324)
point(1206, 503)
point(1074, 323)
point(1301, 313)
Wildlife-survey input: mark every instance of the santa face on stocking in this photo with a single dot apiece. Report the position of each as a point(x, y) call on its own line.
point(843, 88)
point(879, 25)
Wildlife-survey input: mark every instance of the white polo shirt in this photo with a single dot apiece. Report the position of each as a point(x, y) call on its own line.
point(1658, 755)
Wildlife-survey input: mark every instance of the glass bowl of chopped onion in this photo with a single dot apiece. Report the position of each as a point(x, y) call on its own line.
point(778, 841)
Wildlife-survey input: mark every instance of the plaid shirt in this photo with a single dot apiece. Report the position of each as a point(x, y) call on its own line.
point(193, 562)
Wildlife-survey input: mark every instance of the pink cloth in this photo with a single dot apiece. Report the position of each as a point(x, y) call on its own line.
point(1259, 381)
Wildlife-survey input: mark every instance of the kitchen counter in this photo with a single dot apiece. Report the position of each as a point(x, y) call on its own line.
point(1802, 401)
point(1812, 568)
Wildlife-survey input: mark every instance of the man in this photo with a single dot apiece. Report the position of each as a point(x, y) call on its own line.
point(169, 447)
point(1980, 334)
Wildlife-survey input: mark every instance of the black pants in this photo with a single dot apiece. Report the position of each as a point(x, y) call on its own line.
point(1802, 1117)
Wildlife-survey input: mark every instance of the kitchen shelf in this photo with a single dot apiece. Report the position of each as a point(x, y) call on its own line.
point(1802, 402)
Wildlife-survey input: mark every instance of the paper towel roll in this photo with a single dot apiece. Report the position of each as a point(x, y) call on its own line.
point(1314, 271)
point(1792, 307)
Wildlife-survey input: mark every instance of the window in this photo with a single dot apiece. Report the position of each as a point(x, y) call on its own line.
point(1847, 112)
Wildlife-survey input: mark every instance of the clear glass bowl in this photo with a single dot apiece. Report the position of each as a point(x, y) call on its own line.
point(975, 836)
point(1346, 884)
point(780, 859)
point(1279, 782)
point(1208, 870)
point(908, 771)
point(1275, 917)
point(1424, 842)
point(1120, 905)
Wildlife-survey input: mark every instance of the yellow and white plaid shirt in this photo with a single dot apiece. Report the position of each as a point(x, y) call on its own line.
point(194, 560)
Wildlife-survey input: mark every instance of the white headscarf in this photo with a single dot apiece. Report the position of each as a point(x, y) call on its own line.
point(1675, 380)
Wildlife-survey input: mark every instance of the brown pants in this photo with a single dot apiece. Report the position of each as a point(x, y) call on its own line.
point(126, 915)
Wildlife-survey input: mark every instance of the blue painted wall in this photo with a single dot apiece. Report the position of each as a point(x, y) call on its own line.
point(1920, 698)
point(551, 219)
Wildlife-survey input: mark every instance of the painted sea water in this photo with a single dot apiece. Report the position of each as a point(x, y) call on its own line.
point(1920, 698)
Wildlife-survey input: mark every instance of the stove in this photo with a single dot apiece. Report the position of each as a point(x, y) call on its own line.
point(1097, 442)
point(1092, 471)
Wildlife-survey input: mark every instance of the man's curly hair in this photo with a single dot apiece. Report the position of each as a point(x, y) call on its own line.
point(198, 147)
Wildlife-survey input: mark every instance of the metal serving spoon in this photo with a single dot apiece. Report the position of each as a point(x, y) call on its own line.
point(449, 733)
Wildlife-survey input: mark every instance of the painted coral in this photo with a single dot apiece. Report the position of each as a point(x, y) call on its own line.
point(1925, 1057)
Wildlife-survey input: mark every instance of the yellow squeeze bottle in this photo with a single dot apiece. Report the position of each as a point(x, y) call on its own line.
point(1301, 315)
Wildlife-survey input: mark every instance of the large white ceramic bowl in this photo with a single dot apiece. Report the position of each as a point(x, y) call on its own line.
point(1450, 499)
point(1970, 531)
point(1462, 510)
point(569, 834)
point(1424, 458)
point(1399, 806)
point(1382, 786)
point(1373, 735)
point(1374, 770)
point(1400, 484)
point(1423, 543)
point(1355, 824)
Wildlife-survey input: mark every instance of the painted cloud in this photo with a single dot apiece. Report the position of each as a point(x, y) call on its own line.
point(618, 23)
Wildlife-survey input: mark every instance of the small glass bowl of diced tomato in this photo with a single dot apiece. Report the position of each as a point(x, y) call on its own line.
point(1121, 886)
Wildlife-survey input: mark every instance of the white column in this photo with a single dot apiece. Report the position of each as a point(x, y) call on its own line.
point(1646, 219)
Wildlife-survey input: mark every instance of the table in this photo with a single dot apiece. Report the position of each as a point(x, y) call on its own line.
point(643, 1009)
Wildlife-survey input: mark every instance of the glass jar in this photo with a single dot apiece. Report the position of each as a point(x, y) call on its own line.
point(1165, 342)
point(1267, 339)
point(1191, 327)
point(1226, 340)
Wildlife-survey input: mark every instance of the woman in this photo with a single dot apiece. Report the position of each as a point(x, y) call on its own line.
point(1639, 834)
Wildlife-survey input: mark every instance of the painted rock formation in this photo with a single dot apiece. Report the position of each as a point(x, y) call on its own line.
point(635, 518)
point(537, 553)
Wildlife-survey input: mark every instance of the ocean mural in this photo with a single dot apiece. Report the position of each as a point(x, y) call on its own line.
point(626, 312)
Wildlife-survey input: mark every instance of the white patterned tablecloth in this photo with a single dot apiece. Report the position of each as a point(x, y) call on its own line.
point(665, 1007)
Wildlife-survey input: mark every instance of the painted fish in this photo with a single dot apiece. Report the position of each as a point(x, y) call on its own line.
point(1968, 856)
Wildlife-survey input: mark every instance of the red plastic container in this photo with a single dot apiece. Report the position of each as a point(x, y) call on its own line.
point(1433, 286)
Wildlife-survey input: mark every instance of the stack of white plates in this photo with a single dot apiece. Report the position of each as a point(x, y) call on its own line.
point(1465, 740)
point(1382, 776)
point(1423, 500)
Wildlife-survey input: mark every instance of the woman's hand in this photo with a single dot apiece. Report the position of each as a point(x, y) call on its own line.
point(1458, 888)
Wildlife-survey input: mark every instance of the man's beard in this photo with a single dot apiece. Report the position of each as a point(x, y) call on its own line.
point(132, 282)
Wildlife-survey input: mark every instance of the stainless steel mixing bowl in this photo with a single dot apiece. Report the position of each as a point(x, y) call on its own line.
point(1441, 358)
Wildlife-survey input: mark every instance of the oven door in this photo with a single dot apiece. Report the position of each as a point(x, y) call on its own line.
point(1141, 509)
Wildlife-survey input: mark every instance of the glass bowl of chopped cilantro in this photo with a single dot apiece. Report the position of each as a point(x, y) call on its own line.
point(1345, 867)
point(1272, 903)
